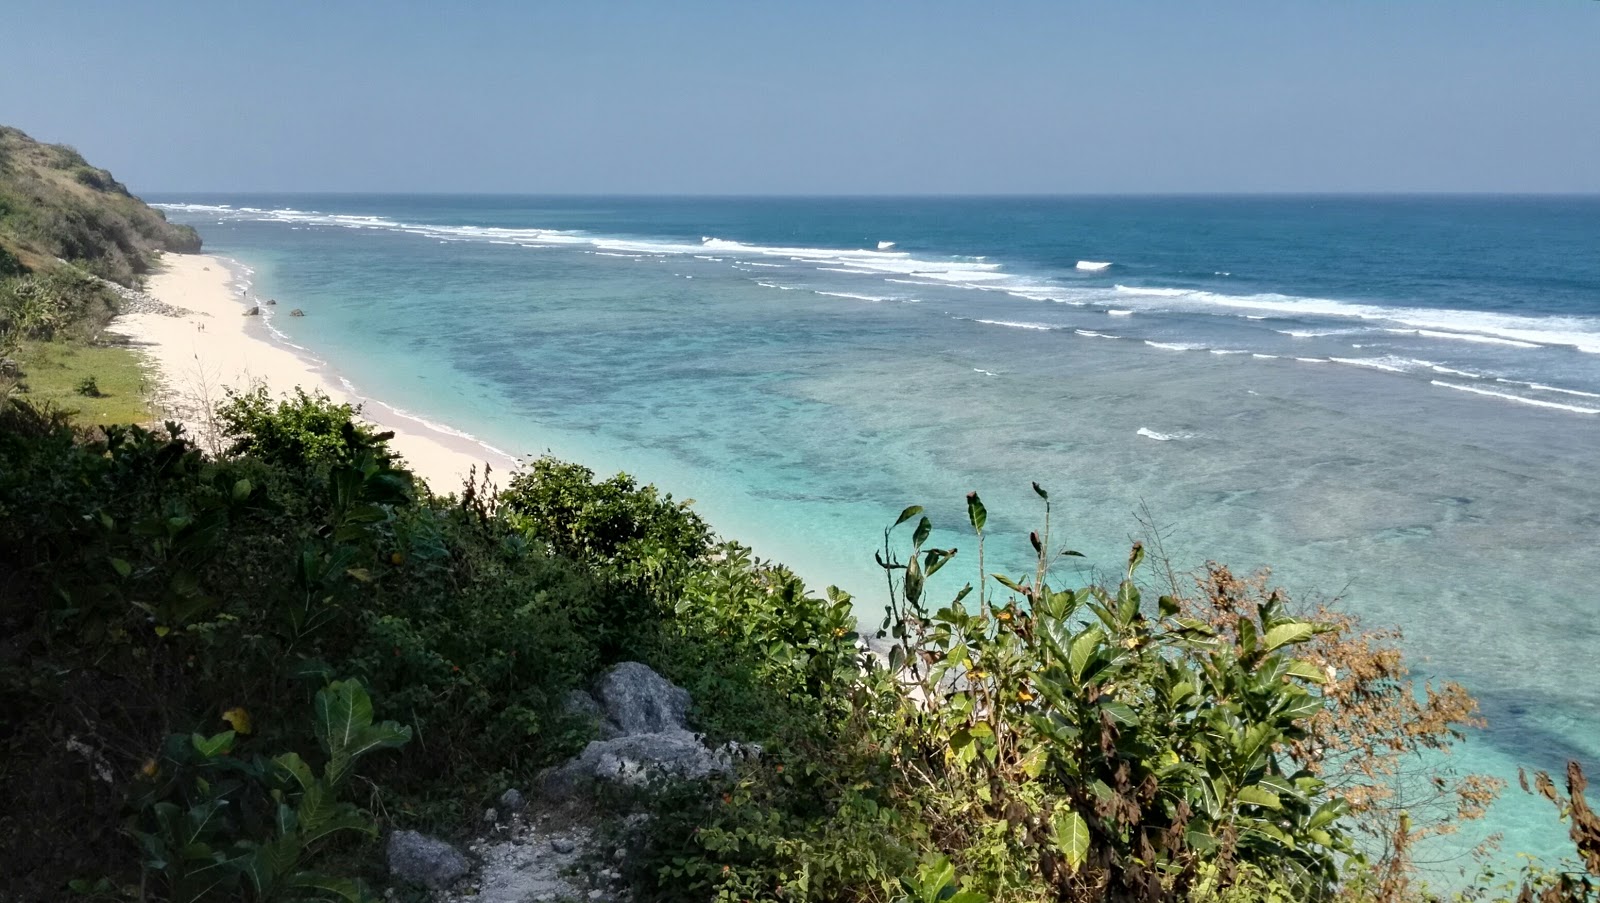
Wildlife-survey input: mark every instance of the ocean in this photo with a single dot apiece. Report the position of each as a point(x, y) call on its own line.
point(1393, 401)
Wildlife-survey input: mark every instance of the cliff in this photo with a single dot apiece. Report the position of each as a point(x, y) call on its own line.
point(55, 204)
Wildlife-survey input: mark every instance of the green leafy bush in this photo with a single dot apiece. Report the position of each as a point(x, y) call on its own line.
point(213, 824)
point(303, 430)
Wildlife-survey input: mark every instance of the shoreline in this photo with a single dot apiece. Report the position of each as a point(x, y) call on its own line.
point(199, 341)
point(205, 343)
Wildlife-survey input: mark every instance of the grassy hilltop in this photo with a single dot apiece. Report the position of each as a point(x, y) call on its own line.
point(67, 229)
point(55, 205)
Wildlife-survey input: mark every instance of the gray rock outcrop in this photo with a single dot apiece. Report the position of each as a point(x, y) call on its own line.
point(420, 859)
point(637, 700)
point(645, 715)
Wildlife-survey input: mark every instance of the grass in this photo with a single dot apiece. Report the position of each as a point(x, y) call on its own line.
point(56, 369)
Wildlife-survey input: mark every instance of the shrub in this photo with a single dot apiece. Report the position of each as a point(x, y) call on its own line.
point(214, 825)
point(304, 430)
point(89, 388)
point(612, 524)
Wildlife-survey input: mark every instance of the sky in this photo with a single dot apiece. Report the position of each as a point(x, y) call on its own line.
point(889, 97)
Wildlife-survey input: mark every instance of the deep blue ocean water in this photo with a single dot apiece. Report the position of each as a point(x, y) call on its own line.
point(1391, 400)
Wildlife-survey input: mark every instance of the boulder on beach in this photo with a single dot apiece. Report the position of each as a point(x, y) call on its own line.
point(272, 301)
point(254, 311)
point(297, 312)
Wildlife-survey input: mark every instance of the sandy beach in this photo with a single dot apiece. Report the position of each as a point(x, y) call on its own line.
point(204, 345)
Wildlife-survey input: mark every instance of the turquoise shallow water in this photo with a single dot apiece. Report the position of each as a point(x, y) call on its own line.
point(1392, 400)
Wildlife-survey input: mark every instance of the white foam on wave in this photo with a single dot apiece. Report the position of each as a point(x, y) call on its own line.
point(854, 297)
point(1162, 437)
point(983, 371)
point(1119, 313)
point(1389, 364)
point(1536, 402)
point(975, 273)
point(781, 288)
point(1095, 335)
point(1149, 292)
point(1013, 324)
point(1440, 368)
point(1316, 333)
point(1582, 333)
point(1265, 357)
point(1228, 351)
point(1093, 266)
point(1175, 346)
point(962, 275)
point(1541, 387)
point(1463, 337)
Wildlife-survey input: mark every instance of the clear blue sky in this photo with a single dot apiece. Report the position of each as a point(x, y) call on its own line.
point(809, 97)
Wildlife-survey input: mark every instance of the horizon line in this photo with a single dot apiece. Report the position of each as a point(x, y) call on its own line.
point(894, 195)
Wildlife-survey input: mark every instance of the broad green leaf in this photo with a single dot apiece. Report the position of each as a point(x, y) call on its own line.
point(344, 728)
point(1008, 583)
point(1285, 634)
point(1082, 651)
point(1327, 813)
point(976, 513)
point(1307, 671)
point(1119, 713)
point(1247, 636)
point(1200, 840)
point(1302, 707)
point(210, 747)
point(908, 514)
point(1040, 490)
point(296, 768)
point(122, 568)
point(1033, 761)
point(1071, 837)
point(924, 528)
point(1278, 784)
point(1257, 795)
point(1254, 742)
point(319, 815)
point(241, 490)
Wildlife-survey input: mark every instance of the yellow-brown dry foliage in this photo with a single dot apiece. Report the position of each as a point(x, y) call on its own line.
point(1583, 826)
point(1380, 740)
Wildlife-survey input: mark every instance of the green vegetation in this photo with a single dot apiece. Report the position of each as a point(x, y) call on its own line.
point(65, 226)
point(55, 206)
point(55, 373)
point(169, 619)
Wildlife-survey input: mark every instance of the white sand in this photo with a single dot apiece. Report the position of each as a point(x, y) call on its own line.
point(215, 347)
